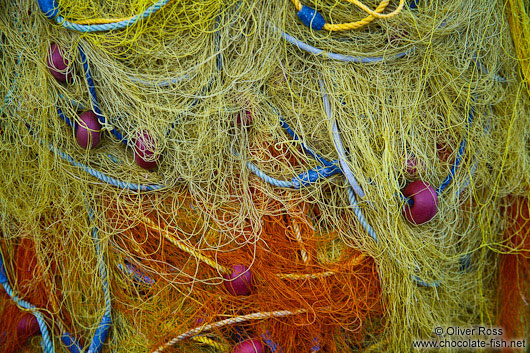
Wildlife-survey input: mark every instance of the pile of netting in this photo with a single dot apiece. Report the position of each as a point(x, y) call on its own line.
point(234, 175)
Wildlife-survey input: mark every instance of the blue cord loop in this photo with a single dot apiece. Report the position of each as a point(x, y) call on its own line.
point(313, 175)
point(306, 148)
point(138, 275)
point(65, 118)
point(70, 343)
point(458, 159)
point(93, 96)
point(101, 334)
point(306, 178)
point(465, 262)
point(3, 274)
point(274, 347)
point(316, 345)
point(311, 18)
point(49, 8)
point(423, 283)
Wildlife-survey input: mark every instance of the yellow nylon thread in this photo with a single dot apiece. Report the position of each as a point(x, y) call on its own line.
point(106, 20)
point(296, 276)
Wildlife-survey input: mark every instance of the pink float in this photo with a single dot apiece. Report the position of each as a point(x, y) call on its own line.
point(57, 64)
point(244, 119)
point(412, 165)
point(27, 326)
point(249, 346)
point(424, 202)
point(88, 132)
point(239, 281)
point(145, 147)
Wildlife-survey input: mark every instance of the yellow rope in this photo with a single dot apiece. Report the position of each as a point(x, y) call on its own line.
point(377, 14)
point(296, 276)
point(519, 21)
point(97, 21)
point(229, 321)
point(210, 342)
point(305, 275)
point(358, 24)
point(298, 236)
point(180, 244)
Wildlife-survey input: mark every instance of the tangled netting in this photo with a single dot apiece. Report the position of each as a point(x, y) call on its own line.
point(313, 176)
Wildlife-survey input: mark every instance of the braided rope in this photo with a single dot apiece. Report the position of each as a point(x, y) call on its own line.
point(268, 179)
point(298, 237)
point(103, 177)
point(210, 262)
point(378, 14)
point(359, 214)
point(182, 246)
point(361, 23)
point(338, 144)
point(47, 343)
point(123, 23)
point(102, 331)
point(210, 342)
point(97, 21)
point(230, 321)
point(334, 56)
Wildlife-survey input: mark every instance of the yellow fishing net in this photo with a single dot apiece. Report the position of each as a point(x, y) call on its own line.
point(279, 152)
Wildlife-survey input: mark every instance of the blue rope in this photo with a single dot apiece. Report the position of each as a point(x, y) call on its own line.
point(268, 179)
point(274, 347)
point(95, 173)
point(138, 275)
point(106, 26)
point(104, 178)
point(423, 283)
point(316, 345)
point(468, 179)
point(103, 329)
point(65, 118)
point(295, 136)
point(458, 159)
point(328, 55)
point(306, 178)
point(357, 211)
point(359, 214)
point(93, 96)
point(338, 144)
point(70, 343)
point(47, 343)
